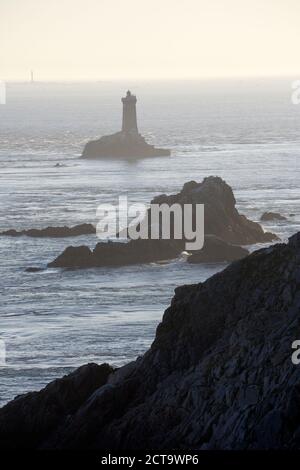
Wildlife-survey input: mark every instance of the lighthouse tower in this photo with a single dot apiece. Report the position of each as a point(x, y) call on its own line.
point(127, 143)
point(129, 123)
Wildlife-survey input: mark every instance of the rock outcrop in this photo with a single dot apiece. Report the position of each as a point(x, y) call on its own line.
point(33, 269)
point(221, 220)
point(221, 217)
point(218, 375)
point(54, 232)
point(270, 216)
point(118, 254)
point(122, 145)
point(216, 250)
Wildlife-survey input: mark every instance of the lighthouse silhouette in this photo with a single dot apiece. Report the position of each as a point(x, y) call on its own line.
point(129, 121)
point(127, 143)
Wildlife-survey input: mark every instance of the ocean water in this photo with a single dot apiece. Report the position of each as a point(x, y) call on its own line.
point(246, 131)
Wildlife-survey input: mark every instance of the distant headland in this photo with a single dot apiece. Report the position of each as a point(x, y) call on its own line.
point(128, 143)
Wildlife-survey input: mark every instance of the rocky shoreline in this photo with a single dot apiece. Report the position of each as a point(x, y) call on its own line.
point(218, 375)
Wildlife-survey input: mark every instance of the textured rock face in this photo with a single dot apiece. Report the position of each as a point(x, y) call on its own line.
point(222, 220)
point(55, 232)
point(218, 375)
point(122, 145)
point(28, 419)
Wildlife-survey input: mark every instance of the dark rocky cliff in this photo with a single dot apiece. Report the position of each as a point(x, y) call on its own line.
point(218, 375)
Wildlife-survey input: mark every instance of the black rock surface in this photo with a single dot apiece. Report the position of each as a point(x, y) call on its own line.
point(40, 413)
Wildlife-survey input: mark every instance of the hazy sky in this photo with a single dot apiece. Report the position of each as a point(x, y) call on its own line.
point(103, 39)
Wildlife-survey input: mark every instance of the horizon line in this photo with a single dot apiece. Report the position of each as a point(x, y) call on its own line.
point(153, 79)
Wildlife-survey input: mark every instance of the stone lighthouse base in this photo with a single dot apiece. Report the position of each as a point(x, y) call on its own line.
point(122, 145)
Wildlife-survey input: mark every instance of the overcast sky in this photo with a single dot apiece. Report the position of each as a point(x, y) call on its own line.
point(152, 39)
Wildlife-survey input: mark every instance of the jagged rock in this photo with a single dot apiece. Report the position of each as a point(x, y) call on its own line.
point(221, 220)
point(145, 251)
point(269, 216)
point(216, 250)
point(118, 254)
point(77, 230)
point(221, 217)
point(207, 382)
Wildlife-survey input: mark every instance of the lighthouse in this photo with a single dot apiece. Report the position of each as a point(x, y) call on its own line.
point(129, 122)
point(127, 143)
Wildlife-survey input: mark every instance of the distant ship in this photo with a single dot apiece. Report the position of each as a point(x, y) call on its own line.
point(127, 143)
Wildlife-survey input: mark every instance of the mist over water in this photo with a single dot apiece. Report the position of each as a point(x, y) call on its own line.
point(247, 132)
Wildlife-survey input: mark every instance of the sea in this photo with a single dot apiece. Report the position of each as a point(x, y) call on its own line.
point(246, 131)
